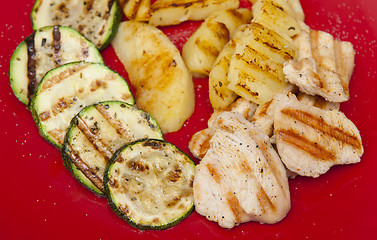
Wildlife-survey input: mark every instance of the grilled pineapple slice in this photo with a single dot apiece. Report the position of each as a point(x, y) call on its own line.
point(220, 95)
point(277, 15)
point(256, 67)
point(139, 10)
point(204, 45)
point(162, 82)
point(173, 12)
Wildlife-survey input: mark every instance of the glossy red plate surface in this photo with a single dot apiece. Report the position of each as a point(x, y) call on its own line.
point(41, 200)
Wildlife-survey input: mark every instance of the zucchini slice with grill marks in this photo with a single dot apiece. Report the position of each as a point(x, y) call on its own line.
point(96, 20)
point(149, 184)
point(45, 49)
point(65, 90)
point(97, 131)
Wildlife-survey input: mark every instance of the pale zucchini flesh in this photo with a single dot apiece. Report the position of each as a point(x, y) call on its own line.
point(97, 131)
point(149, 184)
point(65, 90)
point(45, 49)
point(96, 20)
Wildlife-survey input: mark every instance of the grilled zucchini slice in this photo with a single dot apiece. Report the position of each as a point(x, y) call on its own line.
point(97, 131)
point(96, 20)
point(65, 90)
point(149, 184)
point(45, 49)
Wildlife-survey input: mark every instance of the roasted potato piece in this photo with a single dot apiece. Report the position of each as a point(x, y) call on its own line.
point(163, 84)
point(139, 10)
point(204, 45)
point(173, 12)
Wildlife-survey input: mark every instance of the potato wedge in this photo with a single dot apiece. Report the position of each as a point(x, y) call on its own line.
point(204, 45)
point(256, 67)
point(173, 12)
point(139, 10)
point(162, 82)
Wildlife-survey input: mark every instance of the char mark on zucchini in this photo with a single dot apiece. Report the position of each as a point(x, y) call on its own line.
point(97, 132)
point(89, 172)
point(92, 134)
point(31, 64)
point(56, 45)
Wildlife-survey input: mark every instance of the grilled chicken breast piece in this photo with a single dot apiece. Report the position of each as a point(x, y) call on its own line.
point(311, 140)
point(317, 101)
point(323, 65)
point(264, 114)
point(199, 143)
point(241, 177)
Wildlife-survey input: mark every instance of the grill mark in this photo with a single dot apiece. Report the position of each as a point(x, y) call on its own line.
point(268, 40)
point(135, 9)
point(244, 86)
point(62, 105)
point(262, 111)
point(158, 5)
point(56, 44)
point(267, 156)
point(312, 148)
point(235, 206)
point(110, 4)
point(88, 6)
point(93, 138)
point(31, 65)
point(261, 62)
point(116, 124)
point(44, 116)
point(341, 66)
point(320, 124)
point(314, 42)
point(265, 201)
point(246, 169)
point(85, 169)
point(63, 75)
point(219, 31)
point(214, 173)
point(58, 135)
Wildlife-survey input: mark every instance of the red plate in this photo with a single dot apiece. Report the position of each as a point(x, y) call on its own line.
point(41, 200)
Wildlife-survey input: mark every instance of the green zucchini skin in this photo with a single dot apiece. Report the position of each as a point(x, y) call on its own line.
point(56, 102)
point(96, 132)
point(86, 18)
point(167, 149)
point(45, 49)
